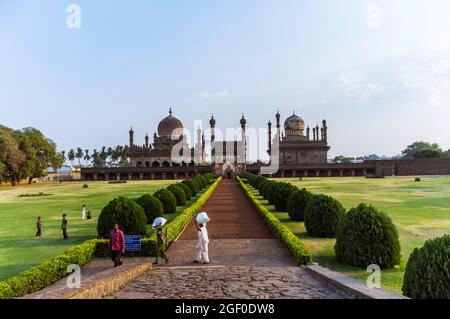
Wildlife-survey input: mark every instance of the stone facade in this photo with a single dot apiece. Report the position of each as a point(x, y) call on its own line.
point(159, 153)
point(302, 153)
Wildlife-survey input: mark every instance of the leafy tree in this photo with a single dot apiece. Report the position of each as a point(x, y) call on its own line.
point(342, 159)
point(422, 150)
point(11, 157)
point(40, 153)
point(446, 154)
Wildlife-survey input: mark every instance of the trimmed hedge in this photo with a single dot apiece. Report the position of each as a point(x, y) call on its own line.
point(125, 212)
point(179, 194)
point(167, 199)
point(366, 236)
point(186, 189)
point(152, 207)
point(47, 273)
point(297, 202)
point(322, 215)
point(427, 273)
point(298, 249)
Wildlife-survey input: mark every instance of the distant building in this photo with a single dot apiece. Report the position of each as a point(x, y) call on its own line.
point(302, 153)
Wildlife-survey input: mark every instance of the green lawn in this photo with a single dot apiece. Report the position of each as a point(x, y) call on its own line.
point(19, 249)
point(420, 210)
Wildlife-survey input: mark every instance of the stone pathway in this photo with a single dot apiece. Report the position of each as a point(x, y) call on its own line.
point(246, 260)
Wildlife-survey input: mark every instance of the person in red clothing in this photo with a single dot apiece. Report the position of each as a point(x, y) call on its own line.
point(117, 245)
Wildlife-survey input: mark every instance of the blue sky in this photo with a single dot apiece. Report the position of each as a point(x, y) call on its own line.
point(378, 70)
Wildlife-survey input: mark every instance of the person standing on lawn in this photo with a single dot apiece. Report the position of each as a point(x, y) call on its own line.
point(116, 245)
point(39, 225)
point(64, 226)
point(161, 239)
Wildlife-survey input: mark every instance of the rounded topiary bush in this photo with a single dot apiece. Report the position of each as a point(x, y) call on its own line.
point(201, 181)
point(167, 199)
point(427, 273)
point(186, 189)
point(281, 193)
point(152, 207)
point(126, 213)
point(297, 202)
point(198, 182)
point(204, 179)
point(268, 191)
point(192, 185)
point(322, 215)
point(179, 194)
point(262, 185)
point(258, 180)
point(366, 236)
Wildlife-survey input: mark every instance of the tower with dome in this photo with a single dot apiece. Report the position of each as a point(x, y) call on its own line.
point(297, 145)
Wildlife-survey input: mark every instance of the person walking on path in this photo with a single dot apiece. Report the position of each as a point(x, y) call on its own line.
point(116, 245)
point(39, 225)
point(83, 212)
point(161, 239)
point(64, 226)
point(202, 244)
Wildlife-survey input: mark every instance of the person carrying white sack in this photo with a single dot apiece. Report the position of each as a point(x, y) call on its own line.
point(203, 239)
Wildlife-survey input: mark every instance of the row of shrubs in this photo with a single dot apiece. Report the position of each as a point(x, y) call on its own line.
point(47, 273)
point(364, 235)
point(133, 215)
point(298, 249)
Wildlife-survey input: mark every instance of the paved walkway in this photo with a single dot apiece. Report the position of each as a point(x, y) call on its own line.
point(246, 260)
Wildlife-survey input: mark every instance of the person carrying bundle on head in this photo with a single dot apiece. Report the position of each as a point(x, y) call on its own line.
point(161, 239)
point(203, 239)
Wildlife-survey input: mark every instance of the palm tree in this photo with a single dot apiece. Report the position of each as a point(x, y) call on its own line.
point(95, 158)
point(71, 156)
point(63, 156)
point(87, 157)
point(79, 155)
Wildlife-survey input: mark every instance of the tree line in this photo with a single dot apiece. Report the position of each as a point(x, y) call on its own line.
point(26, 154)
point(111, 157)
point(415, 150)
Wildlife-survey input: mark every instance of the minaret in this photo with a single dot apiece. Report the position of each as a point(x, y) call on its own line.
point(317, 132)
point(131, 137)
point(199, 136)
point(314, 133)
point(146, 140)
point(243, 138)
point(278, 124)
point(325, 131)
point(269, 128)
point(203, 148)
point(212, 123)
point(307, 132)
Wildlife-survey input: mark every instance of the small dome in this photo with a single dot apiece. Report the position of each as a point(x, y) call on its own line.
point(212, 121)
point(168, 125)
point(294, 125)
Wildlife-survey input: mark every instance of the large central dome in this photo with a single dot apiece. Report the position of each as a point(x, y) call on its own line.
point(168, 125)
point(294, 126)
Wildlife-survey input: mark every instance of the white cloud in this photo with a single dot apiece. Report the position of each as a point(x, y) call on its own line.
point(429, 81)
point(355, 86)
point(213, 95)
